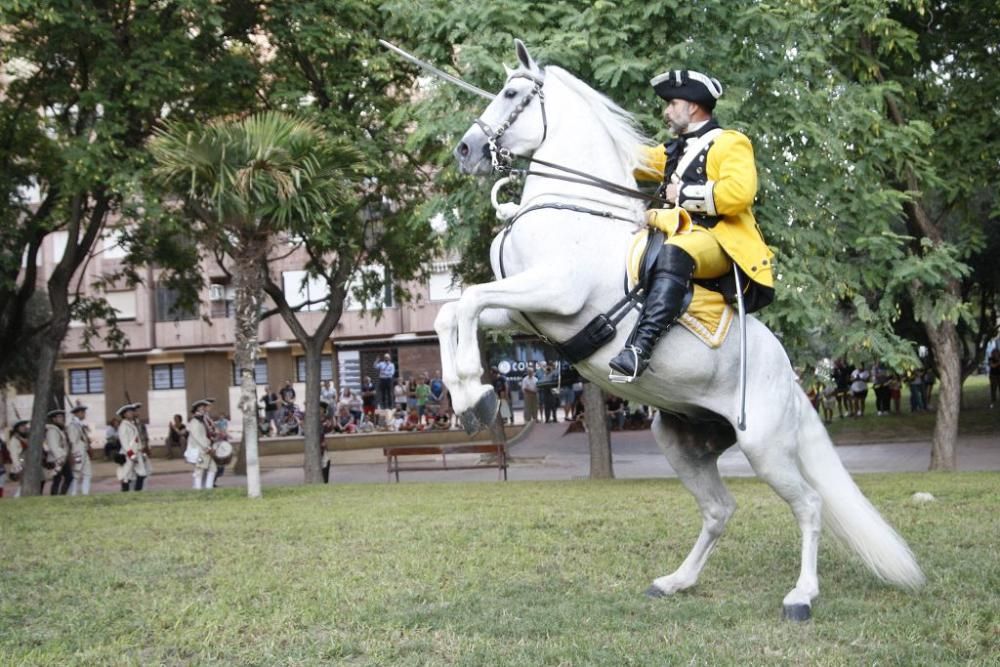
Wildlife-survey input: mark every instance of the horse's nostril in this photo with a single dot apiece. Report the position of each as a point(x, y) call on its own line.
point(463, 149)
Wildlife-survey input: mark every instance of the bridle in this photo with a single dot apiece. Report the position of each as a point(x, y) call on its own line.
point(501, 157)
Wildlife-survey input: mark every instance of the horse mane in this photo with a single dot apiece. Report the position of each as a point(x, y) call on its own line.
point(620, 125)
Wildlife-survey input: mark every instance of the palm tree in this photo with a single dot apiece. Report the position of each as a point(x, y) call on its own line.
point(244, 181)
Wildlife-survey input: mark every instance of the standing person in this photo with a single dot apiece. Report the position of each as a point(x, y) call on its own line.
point(176, 436)
point(199, 449)
point(895, 391)
point(326, 392)
point(270, 402)
point(17, 446)
point(369, 398)
point(423, 394)
point(880, 383)
point(994, 362)
point(709, 176)
point(133, 459)
point(386, 372)
point(111, 443)
point(915, 381)
point(436, 398)
point(842, 379)
point(859, 389)
point(79, 441)
point(529, 387)
point(399, 395)
point(58, 448)
point(286, 401)
point(547, 387)
point(929, 378)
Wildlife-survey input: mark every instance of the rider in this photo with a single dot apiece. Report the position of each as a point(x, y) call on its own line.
point(710, 174)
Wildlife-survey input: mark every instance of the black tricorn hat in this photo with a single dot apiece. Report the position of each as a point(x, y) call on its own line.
point(686, 84)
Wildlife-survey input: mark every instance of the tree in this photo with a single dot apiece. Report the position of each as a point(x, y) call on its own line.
point(88, 83)
point(845, 122)
point(245, 182)
point(327, 62)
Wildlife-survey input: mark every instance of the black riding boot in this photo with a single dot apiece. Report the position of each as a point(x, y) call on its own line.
point(668, 288)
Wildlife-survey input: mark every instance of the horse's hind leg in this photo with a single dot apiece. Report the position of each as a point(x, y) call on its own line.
point(774, 460)
point(693, 451)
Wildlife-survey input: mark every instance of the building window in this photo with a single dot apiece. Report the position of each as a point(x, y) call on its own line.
point(301, 288)
point(366, 279)
point(167, 309)
point(221, 298)
point(86, 381)
point(123, 304)
point(168, 376)
point(259, 373)
point(442, 288)
point(325, 368)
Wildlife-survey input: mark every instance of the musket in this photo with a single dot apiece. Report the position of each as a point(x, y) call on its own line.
point(434, 71)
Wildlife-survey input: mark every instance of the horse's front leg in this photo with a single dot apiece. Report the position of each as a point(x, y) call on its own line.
point(530, 292)
point(446, 326)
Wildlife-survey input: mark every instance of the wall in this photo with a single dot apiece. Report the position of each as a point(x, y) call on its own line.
point(125, 380)
point(208, 375)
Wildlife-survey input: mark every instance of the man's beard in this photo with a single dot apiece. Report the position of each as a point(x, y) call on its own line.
point(679, 124)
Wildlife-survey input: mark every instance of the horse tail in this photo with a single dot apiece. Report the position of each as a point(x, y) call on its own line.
point(846, 512)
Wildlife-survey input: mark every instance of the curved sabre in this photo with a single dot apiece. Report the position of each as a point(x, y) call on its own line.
point(431, 69)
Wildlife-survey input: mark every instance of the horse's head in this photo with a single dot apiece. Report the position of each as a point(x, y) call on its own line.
point(514, 121)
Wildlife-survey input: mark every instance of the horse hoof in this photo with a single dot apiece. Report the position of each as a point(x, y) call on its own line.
point(487, 407)
point(470, 422)
point(654, 592)
point(796, 612)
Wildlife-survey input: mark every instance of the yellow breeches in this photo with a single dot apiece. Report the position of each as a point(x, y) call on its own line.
point(709, 259)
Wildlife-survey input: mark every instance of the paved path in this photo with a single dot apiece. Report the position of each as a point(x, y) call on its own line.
point(548, 453)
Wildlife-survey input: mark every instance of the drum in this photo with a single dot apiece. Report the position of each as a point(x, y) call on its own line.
point(14, 476)
point(222, 452)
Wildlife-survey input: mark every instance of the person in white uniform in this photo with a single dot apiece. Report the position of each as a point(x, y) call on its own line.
point(133, 457)
point(199, 448)
point(79, 443)
point(57, 452)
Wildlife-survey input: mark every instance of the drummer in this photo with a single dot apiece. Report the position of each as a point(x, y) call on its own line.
point(199, 451)
point(133, 459)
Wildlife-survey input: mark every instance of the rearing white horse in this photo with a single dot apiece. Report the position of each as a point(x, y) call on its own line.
point(561, 267)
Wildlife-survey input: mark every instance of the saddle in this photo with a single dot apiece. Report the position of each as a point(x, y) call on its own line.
point(707, 314)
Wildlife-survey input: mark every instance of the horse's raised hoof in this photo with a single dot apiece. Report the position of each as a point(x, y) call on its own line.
point(470, 422)
point(487, 407)
point(654, 592)
point(796, 612)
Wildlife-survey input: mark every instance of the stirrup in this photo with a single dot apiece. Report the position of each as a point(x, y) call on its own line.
point(618, 378)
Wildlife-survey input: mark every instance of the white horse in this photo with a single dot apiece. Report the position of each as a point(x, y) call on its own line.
point(561, 267)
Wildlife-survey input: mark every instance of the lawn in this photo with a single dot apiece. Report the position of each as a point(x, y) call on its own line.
point(478, 574)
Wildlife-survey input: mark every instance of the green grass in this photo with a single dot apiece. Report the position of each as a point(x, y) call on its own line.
point(482, 574)
point(976, 419)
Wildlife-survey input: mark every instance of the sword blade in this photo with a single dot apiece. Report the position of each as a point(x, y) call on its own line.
point(431, 69)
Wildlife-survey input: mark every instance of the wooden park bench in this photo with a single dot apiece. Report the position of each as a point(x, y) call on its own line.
point(497, 451)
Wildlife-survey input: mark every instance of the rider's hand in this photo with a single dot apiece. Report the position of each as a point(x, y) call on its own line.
point(672, 192)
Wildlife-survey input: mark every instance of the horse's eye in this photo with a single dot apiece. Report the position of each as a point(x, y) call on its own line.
point(509, 93)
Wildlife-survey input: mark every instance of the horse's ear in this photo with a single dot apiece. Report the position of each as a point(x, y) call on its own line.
point(523, 55)
point(507, 71)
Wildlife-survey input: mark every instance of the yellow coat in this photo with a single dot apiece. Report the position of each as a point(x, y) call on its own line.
point(732, 186)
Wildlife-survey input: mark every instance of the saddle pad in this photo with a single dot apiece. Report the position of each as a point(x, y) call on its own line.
point(708, 317)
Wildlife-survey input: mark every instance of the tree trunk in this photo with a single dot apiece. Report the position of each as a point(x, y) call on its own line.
point(313, 435)
point(595, 416)
point(247, 282)
point(33, 476)
point(948, 362)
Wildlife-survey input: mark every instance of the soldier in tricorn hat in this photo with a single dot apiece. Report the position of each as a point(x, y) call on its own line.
point(57, 452)
point(199, 449)
point(133, 459)
point(709, 179)
point(79, 442)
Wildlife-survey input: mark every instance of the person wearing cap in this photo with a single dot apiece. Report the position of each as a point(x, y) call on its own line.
point(17, 446)
point(709, 180)
point(79, 442)
point(134, 466)
point(199, 451)
point(57, 448)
